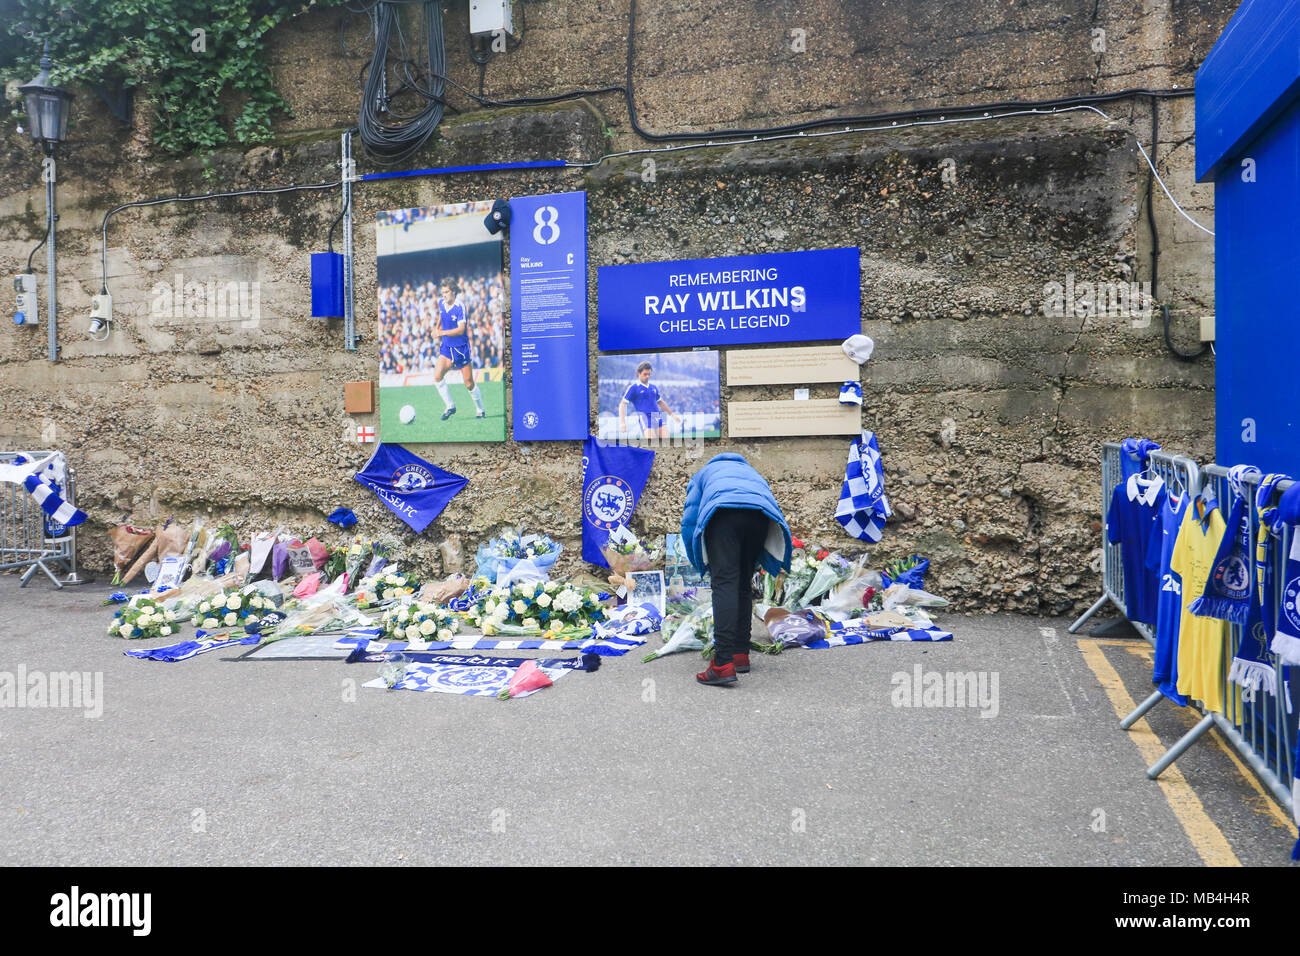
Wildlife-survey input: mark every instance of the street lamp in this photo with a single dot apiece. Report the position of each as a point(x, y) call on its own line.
point(47, 106)
point(47, 115)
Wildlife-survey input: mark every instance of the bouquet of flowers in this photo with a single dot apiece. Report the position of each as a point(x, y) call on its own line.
point(692, 633)
point(387, 586)
point(231, 610)
point(142, 619)
point(537, 607)
point(626, 553)
point(221, 549)
point(419, 621)
point(127, 543)
point(326, 611)
point(502, 553)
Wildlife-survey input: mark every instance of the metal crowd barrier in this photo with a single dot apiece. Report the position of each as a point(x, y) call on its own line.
point(1260, 726)
point(31, 539)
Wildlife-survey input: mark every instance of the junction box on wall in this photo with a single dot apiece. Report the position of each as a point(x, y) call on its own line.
point(26, 311)
point(488, 16)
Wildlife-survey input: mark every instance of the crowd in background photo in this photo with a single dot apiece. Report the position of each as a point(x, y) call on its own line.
point(409, 323)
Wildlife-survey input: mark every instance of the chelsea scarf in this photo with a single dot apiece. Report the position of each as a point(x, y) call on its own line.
point(863, 508)
point(1228, 592)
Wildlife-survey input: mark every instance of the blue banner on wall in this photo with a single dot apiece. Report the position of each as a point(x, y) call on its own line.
point(548, 326)
point(734, 300)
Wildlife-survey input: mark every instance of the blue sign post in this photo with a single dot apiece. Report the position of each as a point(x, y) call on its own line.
point(734, 300)
point(548, 326)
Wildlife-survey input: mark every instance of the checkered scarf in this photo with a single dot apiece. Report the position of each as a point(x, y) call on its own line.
point(863, 507)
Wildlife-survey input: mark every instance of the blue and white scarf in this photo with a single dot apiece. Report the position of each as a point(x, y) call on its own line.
point(187, 649)
point(473, 676)
point(863, 507)
point(1252, 665)
point(1228, 592)
point(848, 633)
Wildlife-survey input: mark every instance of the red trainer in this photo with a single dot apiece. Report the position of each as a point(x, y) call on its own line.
point(742, 663)
point(714, 675)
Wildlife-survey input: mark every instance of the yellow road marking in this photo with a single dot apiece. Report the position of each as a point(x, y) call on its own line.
point(1207, 839)
point(1268, 805)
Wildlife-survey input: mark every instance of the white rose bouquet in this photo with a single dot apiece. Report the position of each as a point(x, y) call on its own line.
point(420, 621)
point(143, 619)
point(542, 608)
point(231, 610)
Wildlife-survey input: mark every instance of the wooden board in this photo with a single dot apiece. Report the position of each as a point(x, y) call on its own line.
point(817, 416)
point(797, 365)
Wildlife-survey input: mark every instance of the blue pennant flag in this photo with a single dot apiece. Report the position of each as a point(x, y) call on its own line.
point(413, 489)
point(613, 477)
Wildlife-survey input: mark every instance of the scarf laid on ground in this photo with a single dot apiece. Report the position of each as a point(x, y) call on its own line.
point(613, 646)
point(863, 507)
point(187, 649)
point(474, 676)
point(1228, 592)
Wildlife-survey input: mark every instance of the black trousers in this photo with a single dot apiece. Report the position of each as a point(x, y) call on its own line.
point(734, 541)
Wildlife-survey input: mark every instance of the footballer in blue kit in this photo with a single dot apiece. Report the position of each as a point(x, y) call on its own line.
point(453, 351)
point(648, 406)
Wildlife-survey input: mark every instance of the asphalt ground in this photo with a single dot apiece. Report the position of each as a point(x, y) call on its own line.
point(810, 760)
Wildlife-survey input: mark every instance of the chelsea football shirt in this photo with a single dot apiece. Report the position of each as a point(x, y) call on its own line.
point(1134, 508)
point(1169, 604)
point(644, 398)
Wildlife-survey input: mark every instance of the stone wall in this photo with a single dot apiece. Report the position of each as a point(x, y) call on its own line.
point(989, 413)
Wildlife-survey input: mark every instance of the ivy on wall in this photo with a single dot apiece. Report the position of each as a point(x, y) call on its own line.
point(188, 54)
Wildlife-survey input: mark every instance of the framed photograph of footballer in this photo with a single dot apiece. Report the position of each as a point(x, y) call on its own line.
point(658, 396)
point(442, 307)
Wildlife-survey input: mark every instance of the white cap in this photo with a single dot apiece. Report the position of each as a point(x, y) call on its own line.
point(859, 348)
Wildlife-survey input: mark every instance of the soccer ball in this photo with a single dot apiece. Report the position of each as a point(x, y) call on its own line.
point(407, 414)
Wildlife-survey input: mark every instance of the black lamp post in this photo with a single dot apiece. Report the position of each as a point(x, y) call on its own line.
point(47, 106)
point(47, 115)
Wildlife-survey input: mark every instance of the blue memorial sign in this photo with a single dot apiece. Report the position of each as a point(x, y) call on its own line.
point(548, 325)
point(734, 300)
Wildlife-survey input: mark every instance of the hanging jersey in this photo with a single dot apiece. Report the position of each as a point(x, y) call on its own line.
point(1169, 604)
point(1131, 521)
point(1200, 656)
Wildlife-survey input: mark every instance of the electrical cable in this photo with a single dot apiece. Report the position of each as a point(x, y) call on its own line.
point(1165, 317)
point(389, 143)
point(32, 254)
point(166, 199)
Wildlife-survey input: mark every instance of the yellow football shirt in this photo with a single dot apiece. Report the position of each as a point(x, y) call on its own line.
point(1201, 640)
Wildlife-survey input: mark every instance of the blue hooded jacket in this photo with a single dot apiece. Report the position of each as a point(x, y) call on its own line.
point(728, 481)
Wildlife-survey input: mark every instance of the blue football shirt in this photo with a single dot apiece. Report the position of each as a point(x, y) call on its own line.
point(644, 398)
point(451, 317)
point(1169, 604)
point(1134, 507)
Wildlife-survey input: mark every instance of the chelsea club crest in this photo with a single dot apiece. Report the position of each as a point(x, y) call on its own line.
point(1291, 603)
point(412, 478)
point(608, 502)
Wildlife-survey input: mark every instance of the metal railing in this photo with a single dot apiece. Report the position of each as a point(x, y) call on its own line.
point(31, 539)
point(1261, 726)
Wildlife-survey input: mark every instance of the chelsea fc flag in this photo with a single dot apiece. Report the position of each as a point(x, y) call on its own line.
point(613, 477)
point(413, 489)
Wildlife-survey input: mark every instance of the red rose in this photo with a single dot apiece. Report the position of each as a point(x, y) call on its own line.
point(795, 542)
point(822, 554)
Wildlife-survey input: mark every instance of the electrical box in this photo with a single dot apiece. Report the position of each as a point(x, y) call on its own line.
point(489, 16)
point(327, 285)
point(26, 309)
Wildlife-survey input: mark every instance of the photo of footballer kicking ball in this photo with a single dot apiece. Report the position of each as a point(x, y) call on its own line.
point(658, 396)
